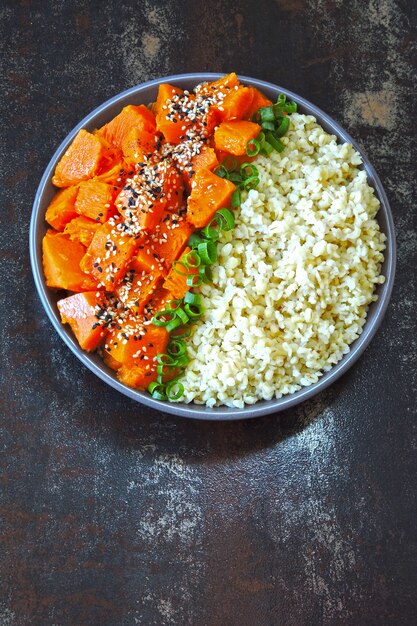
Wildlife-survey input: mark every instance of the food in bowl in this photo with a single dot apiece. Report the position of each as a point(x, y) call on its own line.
point(222, 248)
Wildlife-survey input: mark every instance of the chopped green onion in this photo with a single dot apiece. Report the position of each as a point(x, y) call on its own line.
point(208, 252)
point(206, 273)
point(173, 304)
point(181, 315)
point(221, 171)
point(192, 298)
point(157, 318)
point(192, 259)
point(266, 148)
point(236, 198)
point(174, 324)
point(283, 127)
point(174, 390)
point(194, 311)
point(194, 240)
point(234, 177)
point(195, 280)
point(210, 232)
point(157, 391)
point(230, 163)
point(251, 182)
point(278, 110)
point(164, 370)
point(176, 347)
point(247, 170)
point(175, 265)
point(281, 98)
point(275, 142)
point(268, 126)
point(253, 147)
point(165, 359)
point(290, 107)
point(227, 219)
point(266, 114)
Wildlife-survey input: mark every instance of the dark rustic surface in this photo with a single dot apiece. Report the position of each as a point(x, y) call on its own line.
point(115, 515)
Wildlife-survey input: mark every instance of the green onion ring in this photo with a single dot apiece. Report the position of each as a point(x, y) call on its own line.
point(176, 347)
point(208, 252)
point(175, 265)
point(221, 171)
point(247, 170)
point(283, 127)
point(157, 391)
point(253, 147)
point(170, 390)
point(266, 114)
point(230, 163)
point(228, 219)
point(275, 142)
point(192, 259)
point(192, 298)
point(194, 280)
point(236, 198)
point(194, 311)
point(160, 323)
point(173, 324)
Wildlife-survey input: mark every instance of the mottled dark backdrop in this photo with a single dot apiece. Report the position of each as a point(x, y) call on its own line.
point(115, 515)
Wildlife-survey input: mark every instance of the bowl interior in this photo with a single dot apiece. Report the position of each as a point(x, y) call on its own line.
point(143, 94)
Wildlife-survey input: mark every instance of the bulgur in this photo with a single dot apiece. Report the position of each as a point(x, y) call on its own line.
point(294, 278)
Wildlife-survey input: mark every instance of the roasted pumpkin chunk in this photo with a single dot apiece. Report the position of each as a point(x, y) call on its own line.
point(233, 136)
point(80, 312)
point(208, 194)
point(61, 263)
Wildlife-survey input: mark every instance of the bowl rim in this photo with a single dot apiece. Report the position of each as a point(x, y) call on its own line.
point(197, 411)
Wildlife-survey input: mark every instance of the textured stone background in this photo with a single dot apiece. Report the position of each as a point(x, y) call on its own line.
point(115, 515)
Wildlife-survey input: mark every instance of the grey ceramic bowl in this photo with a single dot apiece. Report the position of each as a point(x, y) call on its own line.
point(146, 93)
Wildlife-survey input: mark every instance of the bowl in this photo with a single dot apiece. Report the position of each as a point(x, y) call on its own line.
point(143, 94)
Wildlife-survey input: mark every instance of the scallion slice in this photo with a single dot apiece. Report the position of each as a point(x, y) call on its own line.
point(283, 127)
point(181, 315)
point(157, 391)
point(290, 107)
point(192, 298)
point(208, 252)
point(266, 148)
point(210, 231)
point(247, 170)
point(165, 359)
point(174, 324)
point(275, 142)
point(194, 240)
point(176, 265)
point(266, 114)
point(235, 178)
point(163, 318)
point(176, 348)
point(251, 182)
point(194, 280)
point(194, 311)
point(181, 332)
point(230, 163)
point(268, 126)
point(174, 390)
point(206, 273)
point(253, 147)
point(227, 219)
point(192, 259)
point(236, 198)
point(173, 304)
point(221, 171)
